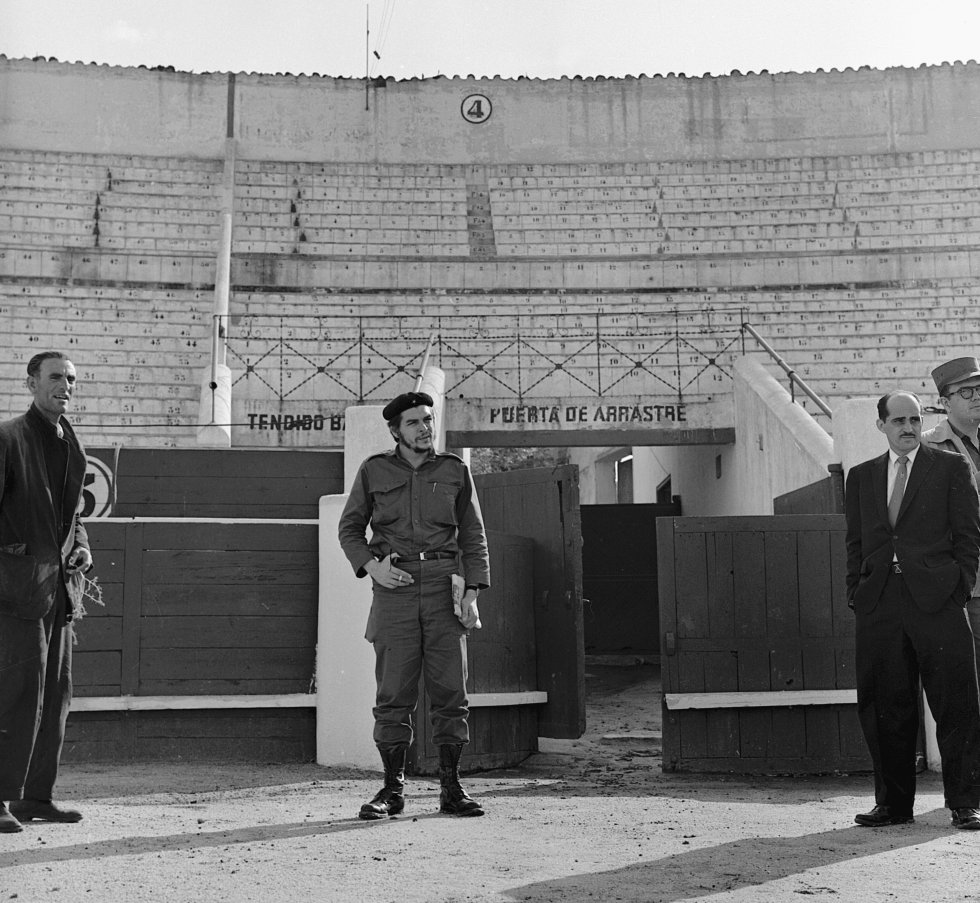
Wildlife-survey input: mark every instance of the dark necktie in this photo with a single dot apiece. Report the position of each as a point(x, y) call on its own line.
point(898, 490)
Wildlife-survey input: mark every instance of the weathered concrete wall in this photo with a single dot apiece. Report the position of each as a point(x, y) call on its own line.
point(779, 447)
point(111, 110)
point(90, 108)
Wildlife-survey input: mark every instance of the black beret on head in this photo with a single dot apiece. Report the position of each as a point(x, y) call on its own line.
point(394, 408)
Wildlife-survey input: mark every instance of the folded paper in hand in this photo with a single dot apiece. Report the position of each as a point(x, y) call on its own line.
point(459, 590)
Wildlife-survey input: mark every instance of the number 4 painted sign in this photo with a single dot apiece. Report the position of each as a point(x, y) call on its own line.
point(476, 108)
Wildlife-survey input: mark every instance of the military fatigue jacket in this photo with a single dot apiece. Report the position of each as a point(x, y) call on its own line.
point(430, 509)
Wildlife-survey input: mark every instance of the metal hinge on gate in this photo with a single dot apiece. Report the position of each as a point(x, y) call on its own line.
point(670, 643)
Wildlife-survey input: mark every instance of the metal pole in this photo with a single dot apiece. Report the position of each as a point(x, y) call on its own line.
point(425, 363)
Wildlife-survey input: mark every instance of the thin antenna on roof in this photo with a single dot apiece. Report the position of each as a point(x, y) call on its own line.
point(367, 55)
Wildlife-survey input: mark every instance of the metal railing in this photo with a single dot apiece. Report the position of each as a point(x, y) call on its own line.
point(794, 380)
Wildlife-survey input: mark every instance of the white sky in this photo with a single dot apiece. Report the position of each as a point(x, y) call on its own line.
point(538, 38)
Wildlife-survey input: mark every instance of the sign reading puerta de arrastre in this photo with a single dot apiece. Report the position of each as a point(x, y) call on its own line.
point(495, 421)
point(528, 379)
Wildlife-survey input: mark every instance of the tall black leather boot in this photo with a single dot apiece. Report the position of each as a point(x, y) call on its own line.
point(389, 799)
point(453, 799)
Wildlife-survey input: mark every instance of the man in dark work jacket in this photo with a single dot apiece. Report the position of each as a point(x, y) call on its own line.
point(913, 546)
point(44, 552)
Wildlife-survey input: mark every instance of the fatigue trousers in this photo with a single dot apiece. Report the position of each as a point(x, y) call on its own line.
point(35, 695)
point(414, 631)
point(895, 644)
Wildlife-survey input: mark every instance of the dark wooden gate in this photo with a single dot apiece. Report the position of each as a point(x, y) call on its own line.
point(619, 578)
point(543, 505)
point(757, 646)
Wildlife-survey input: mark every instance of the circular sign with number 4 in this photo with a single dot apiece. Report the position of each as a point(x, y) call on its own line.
point(476, 108)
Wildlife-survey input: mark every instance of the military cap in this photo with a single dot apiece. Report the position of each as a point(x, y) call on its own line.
point(955, 371)
point(394, 408)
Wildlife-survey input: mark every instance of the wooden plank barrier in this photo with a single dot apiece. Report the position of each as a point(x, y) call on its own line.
point(198, 614)
point(757, 646)
point(205, 646)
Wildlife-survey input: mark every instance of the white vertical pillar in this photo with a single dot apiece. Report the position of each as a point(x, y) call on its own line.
point(214, 412)
point(344, 659)
point(434, 384)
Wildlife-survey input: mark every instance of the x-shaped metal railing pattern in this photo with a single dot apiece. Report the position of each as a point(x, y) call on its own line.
point(518, 357)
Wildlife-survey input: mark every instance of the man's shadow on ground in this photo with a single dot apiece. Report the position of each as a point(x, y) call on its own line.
point(749, 862)
point(171, 843)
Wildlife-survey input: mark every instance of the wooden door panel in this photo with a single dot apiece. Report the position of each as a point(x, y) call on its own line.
point(543, 504)
point(751, 606)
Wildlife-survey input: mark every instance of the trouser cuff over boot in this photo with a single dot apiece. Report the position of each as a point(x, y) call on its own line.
point(453, 800)
point(390, 799)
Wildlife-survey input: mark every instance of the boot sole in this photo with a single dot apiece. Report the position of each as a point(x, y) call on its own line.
point(371, 815)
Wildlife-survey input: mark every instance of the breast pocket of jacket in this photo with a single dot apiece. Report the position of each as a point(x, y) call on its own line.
point(389, 501)
point(439, 501)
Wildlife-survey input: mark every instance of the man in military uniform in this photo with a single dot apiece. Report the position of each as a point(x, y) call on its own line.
point(426, 527)
point(958, 384)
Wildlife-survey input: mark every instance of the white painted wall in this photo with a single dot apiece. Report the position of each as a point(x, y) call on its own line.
point(344, 659)
point(778, 447)
point(597, 473)
point(648, 473)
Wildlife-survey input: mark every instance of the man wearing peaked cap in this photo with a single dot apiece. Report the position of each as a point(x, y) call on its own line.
point(426, 529)
point(958, 384)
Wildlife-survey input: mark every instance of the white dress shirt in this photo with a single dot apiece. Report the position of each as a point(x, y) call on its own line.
point(893, 469)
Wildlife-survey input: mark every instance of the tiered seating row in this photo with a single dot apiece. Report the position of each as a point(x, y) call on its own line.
point(656, 209)
point(120, 202)
point(352, 210)
point(731, 187)
point(946, 162)
point(87, 265)
point(141, 353)
point(273, 170)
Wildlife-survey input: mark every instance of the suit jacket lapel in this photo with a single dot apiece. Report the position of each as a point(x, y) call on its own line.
point(920, 467)
point(879, 479)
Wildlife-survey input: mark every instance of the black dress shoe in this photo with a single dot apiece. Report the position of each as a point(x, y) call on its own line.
point(883, 815)
point(43, 810)
point(966, 819)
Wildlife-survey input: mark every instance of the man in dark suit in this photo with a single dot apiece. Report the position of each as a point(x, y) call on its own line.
point(913, 547)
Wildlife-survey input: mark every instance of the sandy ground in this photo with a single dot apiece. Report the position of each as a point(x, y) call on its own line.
point(587, 820)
